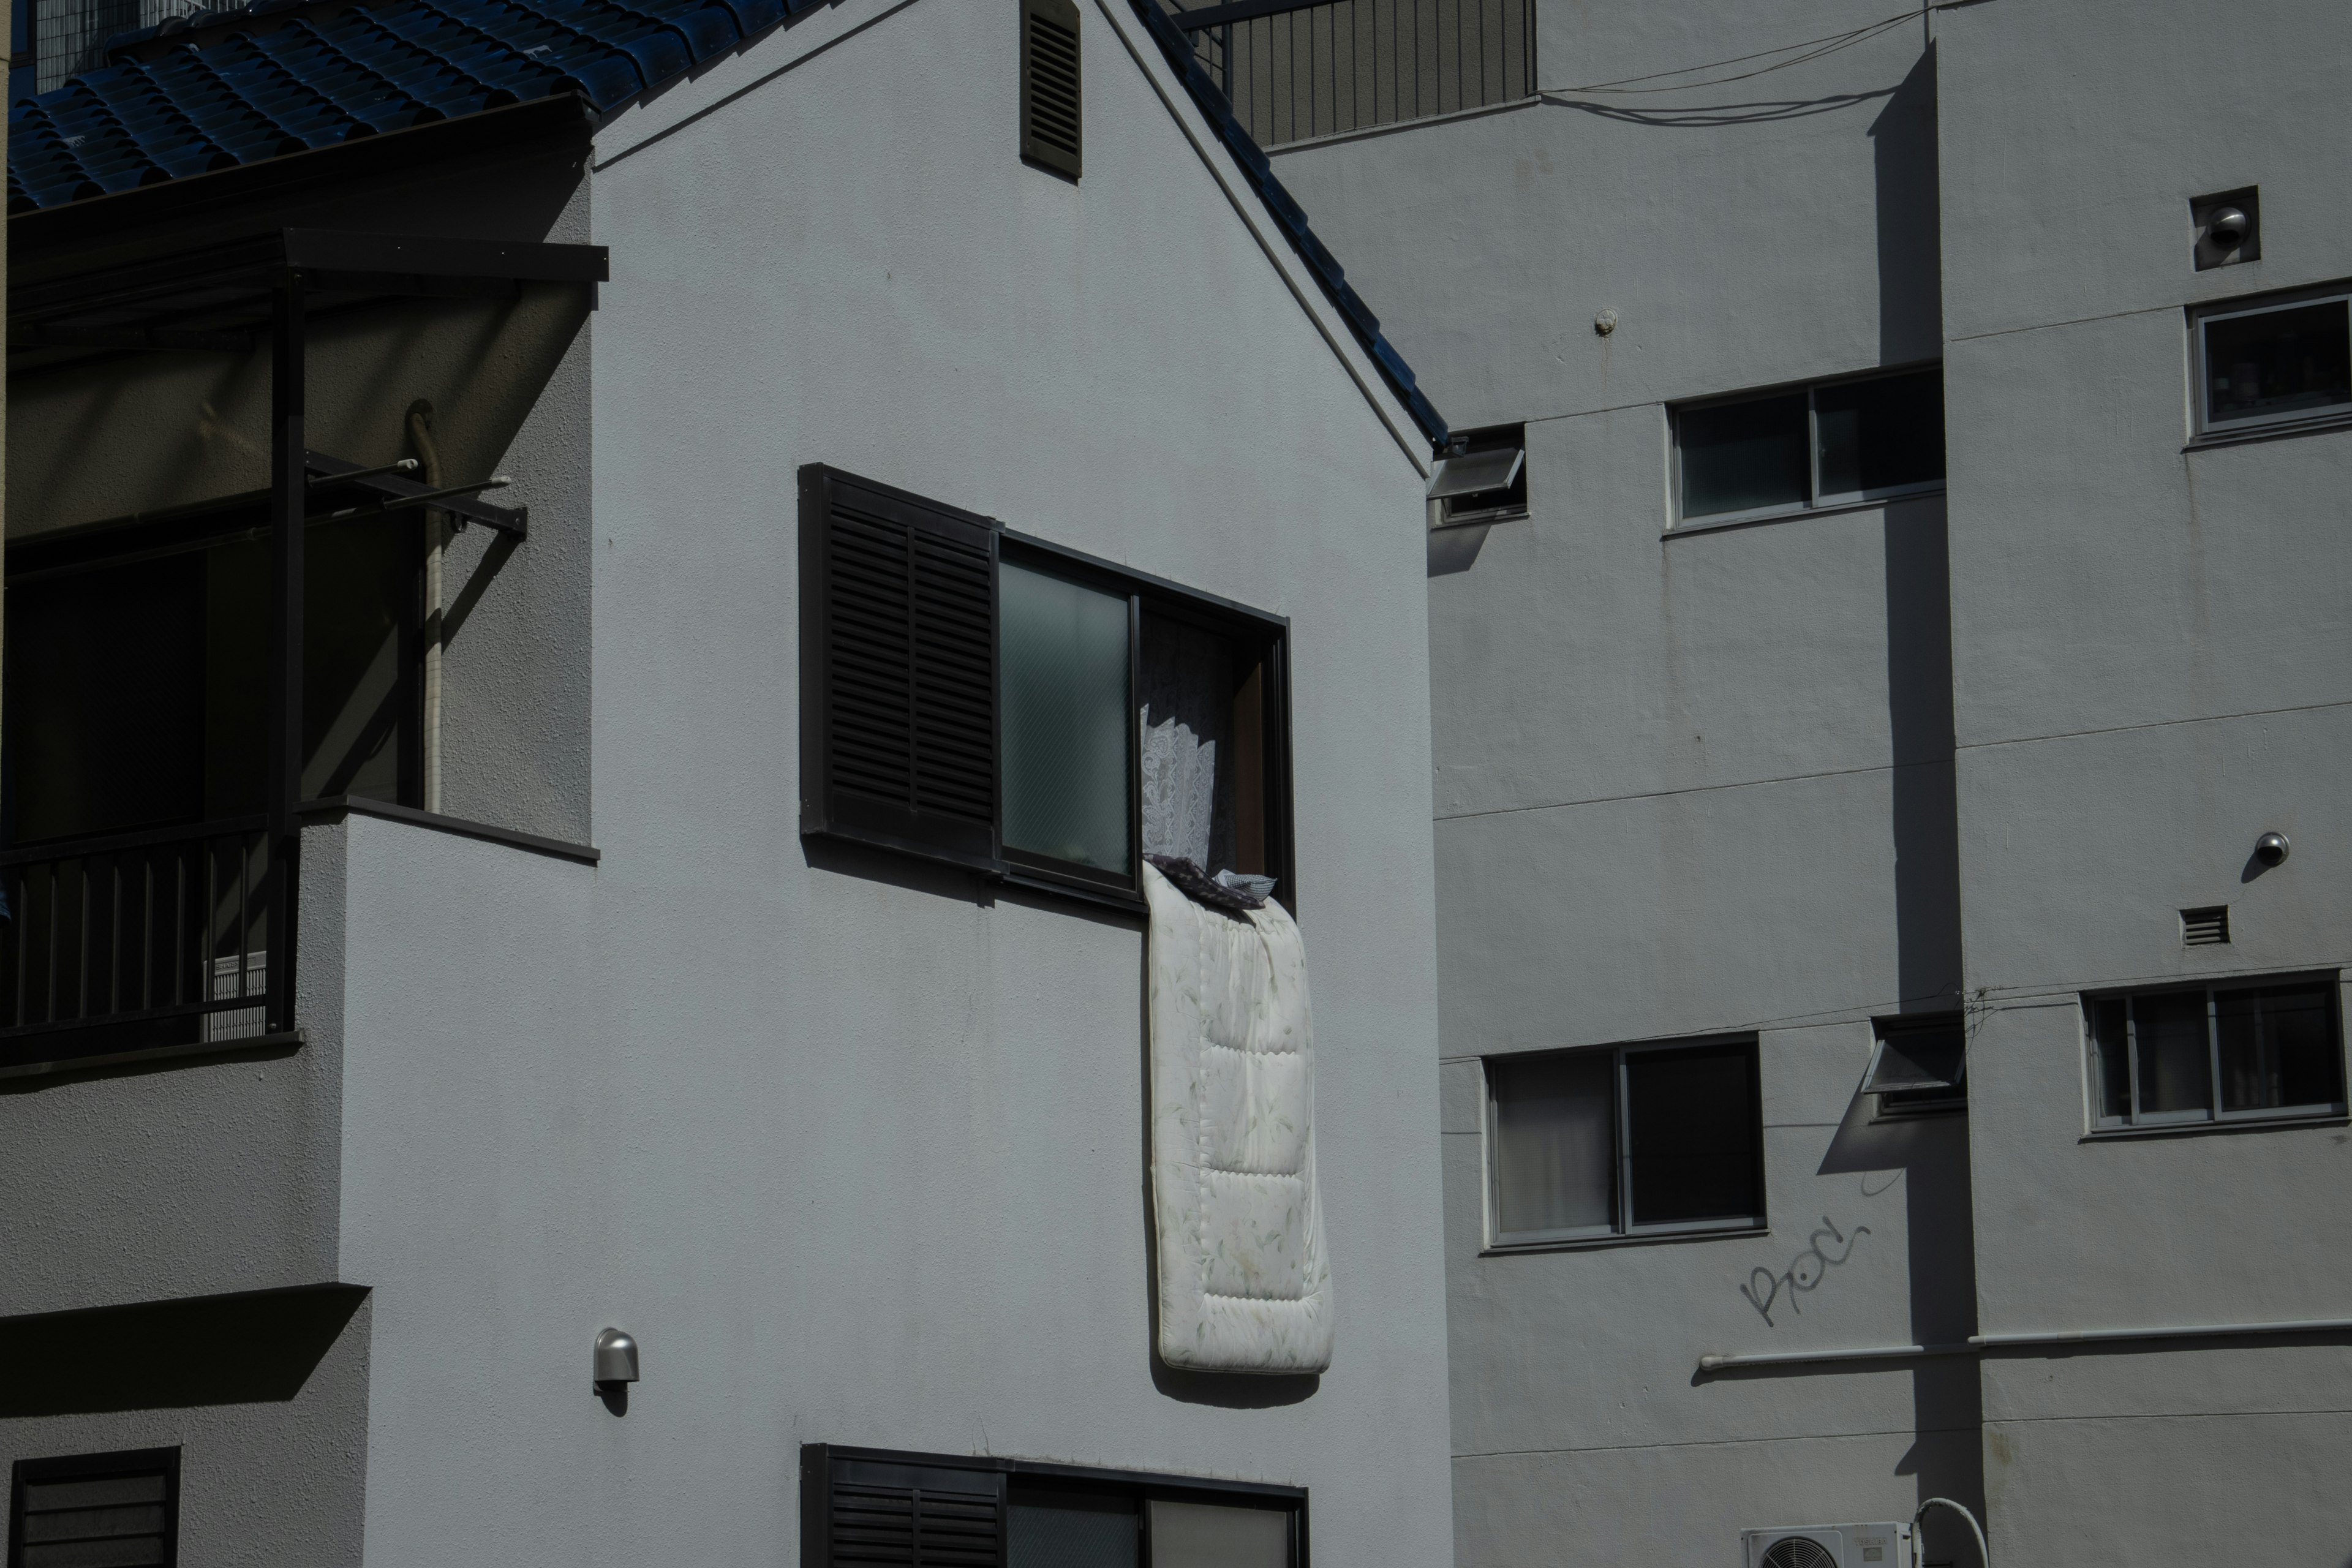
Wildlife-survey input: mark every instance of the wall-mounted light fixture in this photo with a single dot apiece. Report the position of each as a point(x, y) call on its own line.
point(2270, 848)
point(616, 1368)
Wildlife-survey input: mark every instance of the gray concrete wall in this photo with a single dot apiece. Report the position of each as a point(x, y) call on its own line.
point(1685, 783)
point(2149, 659)
point(853, 1147)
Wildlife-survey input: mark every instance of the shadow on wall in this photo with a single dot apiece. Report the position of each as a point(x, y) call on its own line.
point(1925, 793)
point(258, 1347)
point(1910, 237)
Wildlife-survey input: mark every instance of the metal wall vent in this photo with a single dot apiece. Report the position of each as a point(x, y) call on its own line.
point(2206, 927)
point(96, 1509)
point(1052, 119)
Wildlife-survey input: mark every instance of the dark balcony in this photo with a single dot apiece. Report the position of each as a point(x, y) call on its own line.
point(180, 683)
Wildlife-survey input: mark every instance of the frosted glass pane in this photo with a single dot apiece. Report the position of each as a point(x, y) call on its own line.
point(1044, 1536)
point(1554, 1143)
point(1065, 719)
point(1204, 1535)
point(2176, 1063)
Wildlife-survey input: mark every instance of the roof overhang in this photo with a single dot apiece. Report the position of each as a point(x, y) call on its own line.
point(220, 297)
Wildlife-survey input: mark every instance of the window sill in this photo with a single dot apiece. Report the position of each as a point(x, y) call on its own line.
point(1795, 514)
point(157, 1056)
point(1125, 903)
point(2203, 1129)
point(1646, 1238)
point(1481, 518)
point(2279, 432)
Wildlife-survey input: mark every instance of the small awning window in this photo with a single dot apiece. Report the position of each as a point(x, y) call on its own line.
point(1932, 1056)
point(1472, 473)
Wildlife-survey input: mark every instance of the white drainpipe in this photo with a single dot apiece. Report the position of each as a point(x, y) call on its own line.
point(1977, 1343)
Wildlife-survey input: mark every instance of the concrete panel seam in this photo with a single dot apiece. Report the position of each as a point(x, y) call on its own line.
point(1694, 789)
point(2151, 725)
point(1713, 1442)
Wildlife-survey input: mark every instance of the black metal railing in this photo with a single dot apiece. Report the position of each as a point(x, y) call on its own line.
point(1350, 65)
point(139, 940)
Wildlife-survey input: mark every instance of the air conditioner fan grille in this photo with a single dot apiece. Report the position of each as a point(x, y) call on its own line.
point(1798, 1551)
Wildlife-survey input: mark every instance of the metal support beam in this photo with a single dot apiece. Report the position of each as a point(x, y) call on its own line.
point(289, 497)
point(1207, 16)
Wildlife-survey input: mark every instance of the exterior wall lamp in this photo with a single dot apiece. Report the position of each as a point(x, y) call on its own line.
point(616, 1368)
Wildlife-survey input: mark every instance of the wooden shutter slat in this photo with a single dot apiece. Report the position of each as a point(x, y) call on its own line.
point(898, 650)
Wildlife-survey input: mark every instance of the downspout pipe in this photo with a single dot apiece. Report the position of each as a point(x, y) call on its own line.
point(1976, 1344)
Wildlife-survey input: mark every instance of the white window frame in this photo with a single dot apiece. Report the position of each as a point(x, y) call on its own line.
point(2204, 316)
point(1817, 502)
point(1620, 1226)
point(2135, 1120)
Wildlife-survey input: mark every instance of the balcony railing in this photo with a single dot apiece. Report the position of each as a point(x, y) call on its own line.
point(137, 942)
point(1350, 65)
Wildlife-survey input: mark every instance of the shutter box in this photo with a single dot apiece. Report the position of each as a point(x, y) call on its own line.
point(864, 1513)
point(1053, 116)
point(897, 671)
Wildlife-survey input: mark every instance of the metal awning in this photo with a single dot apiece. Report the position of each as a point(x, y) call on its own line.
point(224, 297)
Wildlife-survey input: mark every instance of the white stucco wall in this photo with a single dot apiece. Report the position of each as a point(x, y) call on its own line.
point(855, 1148)
point(1684, 785)
point(2152, 660)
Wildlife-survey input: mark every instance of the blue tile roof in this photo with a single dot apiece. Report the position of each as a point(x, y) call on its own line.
point(298, 78)
point(284, 76)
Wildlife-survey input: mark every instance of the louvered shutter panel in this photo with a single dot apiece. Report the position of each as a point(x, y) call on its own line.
point(897, 671)
point(865, 1513)
point(1053, 117)
point(96, 1509)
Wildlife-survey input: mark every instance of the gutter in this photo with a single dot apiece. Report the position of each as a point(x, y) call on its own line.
point(1975, 1344)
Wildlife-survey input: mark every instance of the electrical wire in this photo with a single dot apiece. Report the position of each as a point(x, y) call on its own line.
point(1798, 53)
point(1984, 1552)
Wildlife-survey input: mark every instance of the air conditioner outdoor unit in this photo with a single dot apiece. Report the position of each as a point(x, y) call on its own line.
point(1831, 1546)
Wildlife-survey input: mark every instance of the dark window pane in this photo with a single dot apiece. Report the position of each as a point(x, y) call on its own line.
point(1072, 1530)
point(1880, 435)
point(1065, 718)
point(1691, 1121)
point(1743, 456)
point(105, 705)
point(1555, 1136)
point(2110, 1040)
point(2176, 1069)
point(2278, 1047)
point(2278, 362)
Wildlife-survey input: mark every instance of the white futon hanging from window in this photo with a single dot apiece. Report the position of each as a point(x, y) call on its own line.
point(1243, 1284)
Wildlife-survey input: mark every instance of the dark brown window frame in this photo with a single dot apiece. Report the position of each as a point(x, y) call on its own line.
point(818, 1462)
point(821, 813)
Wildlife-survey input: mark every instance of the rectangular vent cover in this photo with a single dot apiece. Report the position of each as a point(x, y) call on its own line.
point(96, 1509)
point(1052, 119)
point(2206, 927)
